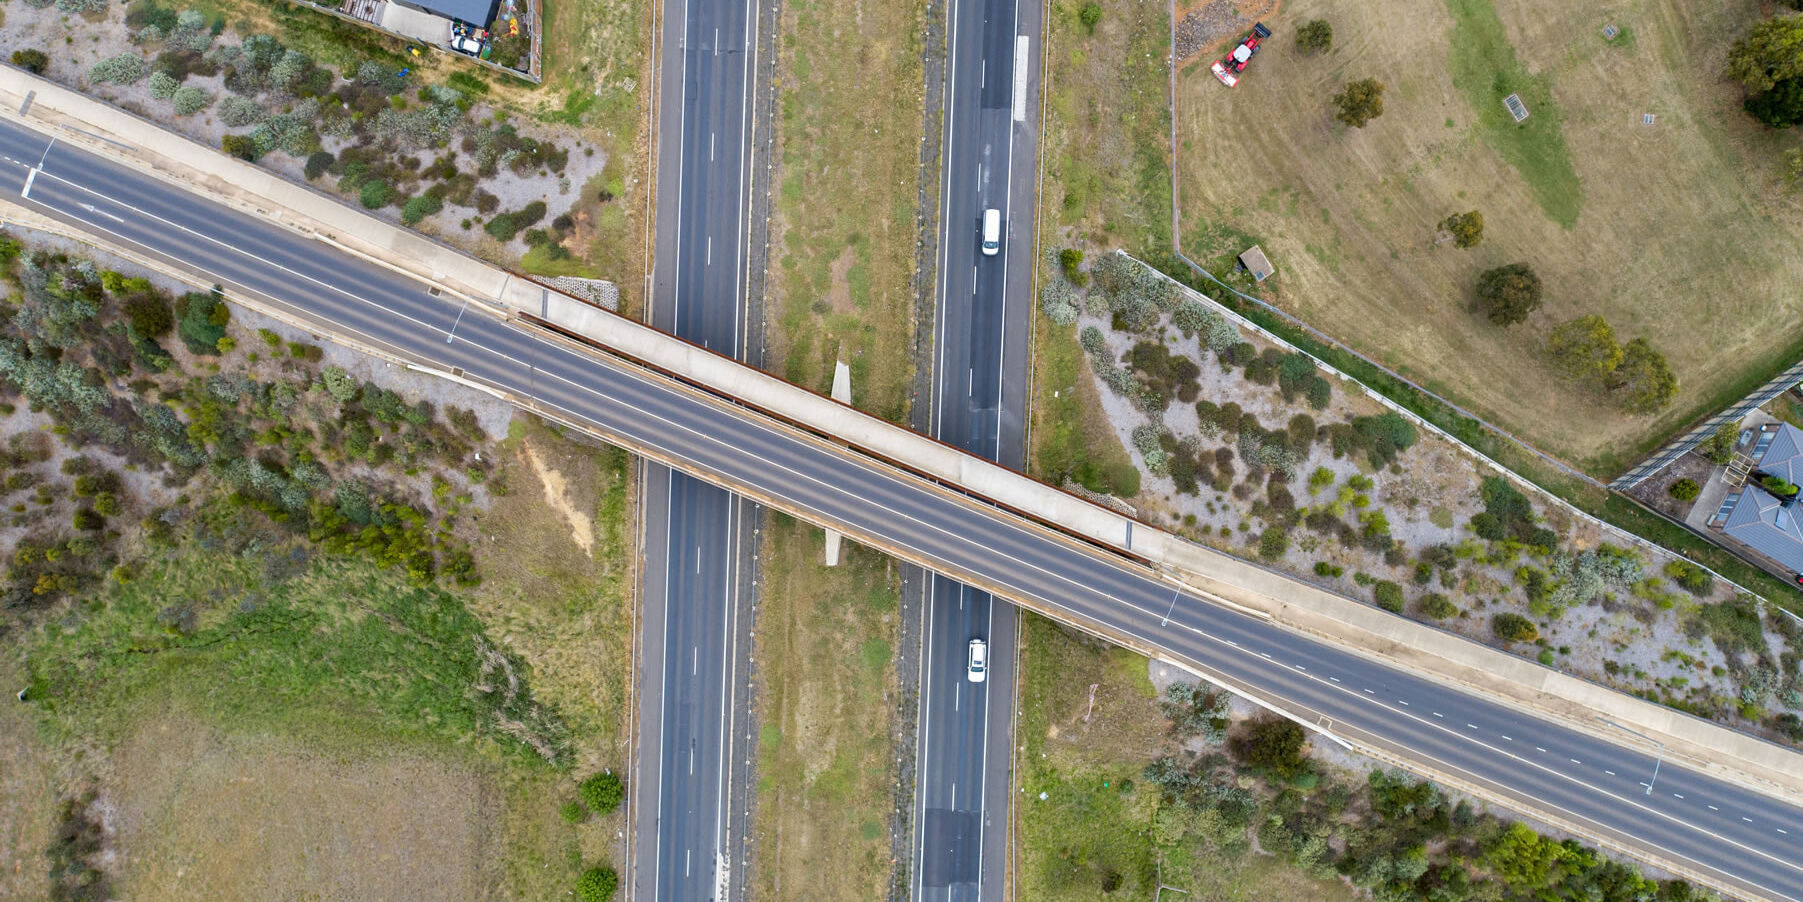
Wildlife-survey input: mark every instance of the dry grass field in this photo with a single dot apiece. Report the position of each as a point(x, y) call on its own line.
point(204, 815)
point(1680, 231)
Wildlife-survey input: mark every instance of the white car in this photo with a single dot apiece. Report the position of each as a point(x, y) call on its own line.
point(467, 44)
point(978, 667)
point(992, 232)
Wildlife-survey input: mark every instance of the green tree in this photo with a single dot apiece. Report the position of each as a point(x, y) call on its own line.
point(1770, 53)
point(1514, 628)
point(597, 884)
point(1359, 102)
point(31, 60)
point(1685, 490)
point(1526, 861)
point(1779, 107)
point(1718, 448)
point(148, 316)
point(602, 792)
point(1466, 229)
point(1645, 380)
point(1271, 744)
point(1090, 14)
point(1509, 293)
point(1315, 36)
point(1584, 348)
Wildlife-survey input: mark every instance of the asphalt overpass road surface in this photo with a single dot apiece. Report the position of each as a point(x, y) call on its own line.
point(691, 825)
point(979, 400)
point(1736, 835)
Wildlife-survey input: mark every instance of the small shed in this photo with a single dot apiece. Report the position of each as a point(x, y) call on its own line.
point(1254, 262)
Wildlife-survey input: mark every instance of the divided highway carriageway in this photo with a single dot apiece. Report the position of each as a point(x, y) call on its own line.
point(1719, 831)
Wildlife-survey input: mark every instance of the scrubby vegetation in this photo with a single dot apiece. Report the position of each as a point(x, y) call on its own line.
point(309, 450)
point(1511, 574)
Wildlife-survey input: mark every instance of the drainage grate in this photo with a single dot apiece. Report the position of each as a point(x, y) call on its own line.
point(1646, 118)
point(1610, 31)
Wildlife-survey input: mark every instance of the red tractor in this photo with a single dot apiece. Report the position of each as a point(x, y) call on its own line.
point(1229, 68)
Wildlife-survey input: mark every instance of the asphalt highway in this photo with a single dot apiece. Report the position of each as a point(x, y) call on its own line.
point(979, 399)
point(697, 536)
point(1735, 834)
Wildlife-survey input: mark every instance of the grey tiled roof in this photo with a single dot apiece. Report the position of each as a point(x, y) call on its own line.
point(1760, 520)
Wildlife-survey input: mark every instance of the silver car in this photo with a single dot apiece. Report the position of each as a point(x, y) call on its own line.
point(978, 666)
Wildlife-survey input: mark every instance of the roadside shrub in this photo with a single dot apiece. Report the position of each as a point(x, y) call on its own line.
point(1734, 626)
point(148, 316)
point(1090, 14)
point(602, 792)
point(1388, 596)
point(241, 146)
point(238, 112)
point(419, 208)
point(191, 99)
point(375, 194)
point(505, 226)
point(1514, 628)
point(124, 69)
point(1195, 709)
point(1270, 744)
point(317, 163)
point(1314, 36)
point(163, 85)
point(1685, 490)
point(1385, 436)
point(597, 884)
point(1070, 260)
point(1435, 606)
point(1057, 300)
point(573, 812)
point(1690, 578)
point(31, 60)
point(1273, 542)
point(201, 318)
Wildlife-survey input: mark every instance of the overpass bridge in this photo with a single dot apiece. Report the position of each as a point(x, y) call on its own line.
point(1469, 716)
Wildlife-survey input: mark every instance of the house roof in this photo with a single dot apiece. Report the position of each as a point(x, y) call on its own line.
point(1762, 521)
point(476, 12)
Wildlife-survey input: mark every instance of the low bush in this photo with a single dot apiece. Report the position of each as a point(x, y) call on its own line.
point(1514, 628)
point(1690, 578)
point(602, 792)
point(1685, 490)
point(597, 884)
point(1388, 596)
point(1435, 606)
point(31, 60)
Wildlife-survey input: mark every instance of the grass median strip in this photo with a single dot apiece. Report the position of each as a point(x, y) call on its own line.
point(826, 709)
